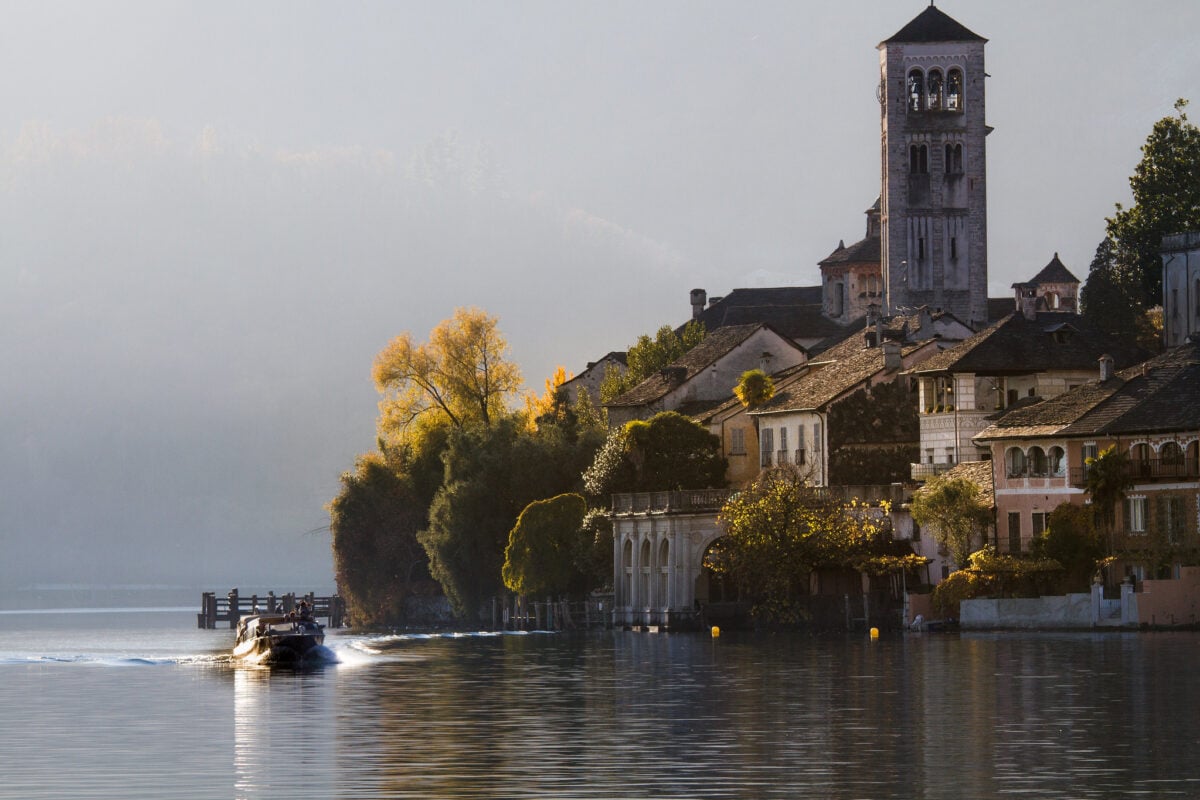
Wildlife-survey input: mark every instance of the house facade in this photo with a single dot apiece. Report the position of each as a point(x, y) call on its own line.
point(1151, 414)
point(708, 372)
point(1031, 353)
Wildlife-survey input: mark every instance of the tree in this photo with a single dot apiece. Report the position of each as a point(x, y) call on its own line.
point(1107, 480)
point(462, 376)
point(1112, 299)
point(648, 356)
point(374, 522)
point(670, 451)
point(1166, 200)
point(548, 548)
point(551, 406)
point(491, 474)
point(951, 508)
point(1071, 540)
point(778, 530)
point(754, 388)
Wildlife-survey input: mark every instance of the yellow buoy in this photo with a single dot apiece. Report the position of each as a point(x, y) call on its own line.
point(874, 633)
point(716, 632)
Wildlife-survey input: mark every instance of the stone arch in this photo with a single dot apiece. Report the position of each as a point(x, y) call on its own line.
point(1014, 462)
point(1037, 462)
point(934, 85)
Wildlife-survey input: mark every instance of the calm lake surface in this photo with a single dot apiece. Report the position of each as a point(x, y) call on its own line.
point(140, 704)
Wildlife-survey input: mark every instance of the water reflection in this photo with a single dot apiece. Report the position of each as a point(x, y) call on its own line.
point(283, 730)
point(683, 716)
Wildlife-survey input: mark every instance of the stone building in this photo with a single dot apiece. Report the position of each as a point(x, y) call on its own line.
point(1181, 287)
point(934, 200)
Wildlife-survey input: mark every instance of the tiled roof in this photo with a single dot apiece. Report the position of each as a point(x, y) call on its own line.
point(1162, 394)
point(978, 473)
point(1054, 272)
point(1016, 345)
point(999, 307)
point(864, 251)
point(934, 25)
point(715, 344)
point(852, 363)
point(794, 311)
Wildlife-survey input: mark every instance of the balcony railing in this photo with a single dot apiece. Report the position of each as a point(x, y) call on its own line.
point(923, 472)
point(700, 500)
point(679, 502)
point(1154, 469)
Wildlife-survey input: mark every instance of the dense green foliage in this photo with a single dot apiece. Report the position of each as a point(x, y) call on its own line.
point(670, 451)
point(648, 356)
point(779, 530)
point(1106, 482)
point(873, 435)
point(952, 510)
point(374, 522)
point(1071, 540)
point(491, 475)
point(1166, 200)
point(548, 549)
point(991, 574)
point(1111, 300)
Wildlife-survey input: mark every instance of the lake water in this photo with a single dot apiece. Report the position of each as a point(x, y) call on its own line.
point(140, 704)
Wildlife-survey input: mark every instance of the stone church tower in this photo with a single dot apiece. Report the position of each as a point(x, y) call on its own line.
point(934, 198)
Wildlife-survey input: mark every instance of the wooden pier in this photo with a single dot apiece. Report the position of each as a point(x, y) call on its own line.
point(232, 607)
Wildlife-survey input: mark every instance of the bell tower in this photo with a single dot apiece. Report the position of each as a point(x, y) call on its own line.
point(934, 194)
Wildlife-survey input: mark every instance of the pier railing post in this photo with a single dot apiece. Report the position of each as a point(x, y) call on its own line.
point(234, 612)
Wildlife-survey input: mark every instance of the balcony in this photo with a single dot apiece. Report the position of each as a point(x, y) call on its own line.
point(678, 502)
point(923, 472)
point(1151, 469)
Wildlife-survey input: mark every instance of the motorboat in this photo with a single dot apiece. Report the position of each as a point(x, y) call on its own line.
point(278, 639)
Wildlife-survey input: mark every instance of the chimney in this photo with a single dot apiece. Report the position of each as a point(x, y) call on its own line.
point(874, 332)
point(891, 355)
point(699, 298)
point(1106, 367)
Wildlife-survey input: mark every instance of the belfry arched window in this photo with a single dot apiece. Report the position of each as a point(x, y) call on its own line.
point(935, 86)
point(954, 89)
point(916, 90)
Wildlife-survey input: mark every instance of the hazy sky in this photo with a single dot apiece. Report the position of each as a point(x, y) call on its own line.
point(213, 215)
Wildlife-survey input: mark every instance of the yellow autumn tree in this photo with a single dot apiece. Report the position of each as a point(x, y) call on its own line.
point(551, 405)
point(462, 376)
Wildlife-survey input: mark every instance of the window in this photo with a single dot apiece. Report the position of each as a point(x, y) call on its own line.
point(766, 445)
point(954, 159)
point(800, 455)
point(935, 90)
point(1170, 455)
point(1014, 460)
point(916, 536)
point(737, 442)
point(953, 248)
point(782, 446)
point(918, 159)
point(1014, 531)
point(954, 90)
point(920, 248)
point(916, 90)
point(1174, 517)
point(1140, 455)
point(1135, 515)
point(1039, 522)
